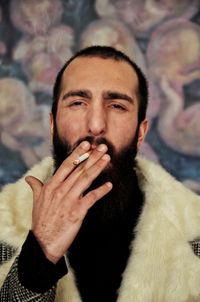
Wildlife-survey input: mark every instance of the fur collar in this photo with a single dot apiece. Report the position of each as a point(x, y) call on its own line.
point(162, 265)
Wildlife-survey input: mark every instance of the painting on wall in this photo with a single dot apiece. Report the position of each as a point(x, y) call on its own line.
point(162, 37)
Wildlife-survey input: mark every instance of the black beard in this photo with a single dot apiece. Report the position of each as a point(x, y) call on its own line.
point(121, 173)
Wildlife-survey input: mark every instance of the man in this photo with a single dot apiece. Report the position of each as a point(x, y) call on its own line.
point(105, 226)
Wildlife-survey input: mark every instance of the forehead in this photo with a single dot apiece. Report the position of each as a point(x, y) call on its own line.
point(99, 71)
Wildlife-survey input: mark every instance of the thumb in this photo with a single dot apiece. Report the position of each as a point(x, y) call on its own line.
point(35, 184)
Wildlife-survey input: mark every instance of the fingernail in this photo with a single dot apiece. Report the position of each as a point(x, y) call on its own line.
point(102, 147)
point(85, 145)
point(109, 184)
point(106, 157)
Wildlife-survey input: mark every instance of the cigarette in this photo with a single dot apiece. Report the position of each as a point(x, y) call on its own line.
point(81, 158)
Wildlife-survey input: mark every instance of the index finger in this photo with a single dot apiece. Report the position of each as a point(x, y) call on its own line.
point(68, 164)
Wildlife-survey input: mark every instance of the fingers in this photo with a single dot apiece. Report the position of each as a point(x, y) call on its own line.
point(90, 198)
point(35, 184)
point(88, 175)
point(67, 166)
point(59, 206)
point(95, 155)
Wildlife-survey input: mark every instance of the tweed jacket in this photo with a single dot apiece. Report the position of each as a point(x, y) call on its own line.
point(164, 264)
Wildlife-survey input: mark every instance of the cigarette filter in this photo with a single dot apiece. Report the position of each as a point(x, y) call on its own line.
point(81, 158)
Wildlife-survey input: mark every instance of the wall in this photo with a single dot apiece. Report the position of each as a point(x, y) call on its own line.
point(37, 37)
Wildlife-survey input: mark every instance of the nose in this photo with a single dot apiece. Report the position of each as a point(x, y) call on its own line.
point(96, 121)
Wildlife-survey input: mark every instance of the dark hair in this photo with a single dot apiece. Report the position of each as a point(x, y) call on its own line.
point(106, 52)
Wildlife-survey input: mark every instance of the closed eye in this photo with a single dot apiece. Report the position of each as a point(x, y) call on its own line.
point(118, 107)
point(76, 103)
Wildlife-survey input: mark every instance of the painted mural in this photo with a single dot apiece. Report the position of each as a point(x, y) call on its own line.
point(162, 37)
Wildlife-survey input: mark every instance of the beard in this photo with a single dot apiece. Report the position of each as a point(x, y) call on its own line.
point(112, 209)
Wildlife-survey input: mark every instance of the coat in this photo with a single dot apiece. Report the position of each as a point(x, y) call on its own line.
point(164, 264)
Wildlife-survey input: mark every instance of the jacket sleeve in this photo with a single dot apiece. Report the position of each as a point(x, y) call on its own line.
point(12, 290)
point(32, 276)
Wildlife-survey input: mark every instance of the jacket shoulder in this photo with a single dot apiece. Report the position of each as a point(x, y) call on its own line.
point(169, 197)
point(16, 204)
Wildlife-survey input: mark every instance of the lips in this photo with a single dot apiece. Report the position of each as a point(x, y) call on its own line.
point(93, 146)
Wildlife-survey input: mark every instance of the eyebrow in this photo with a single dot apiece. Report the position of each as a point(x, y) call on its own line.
point(107, 95)
point(111, 95)
point(81, 93)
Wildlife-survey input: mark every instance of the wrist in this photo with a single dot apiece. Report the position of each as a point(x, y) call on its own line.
point(35, 271)
point(49, 249)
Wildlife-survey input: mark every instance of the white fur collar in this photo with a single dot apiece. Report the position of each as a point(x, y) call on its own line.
point(162, 266)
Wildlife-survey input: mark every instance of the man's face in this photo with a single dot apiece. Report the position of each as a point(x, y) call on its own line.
point(98, 99)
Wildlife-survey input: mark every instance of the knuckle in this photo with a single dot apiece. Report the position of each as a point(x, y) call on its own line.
point(65, 163)
point(47, 186)
point(100, 163)
point(93, 195)
point(86, 175)
point(74, 215)
point(80, 169)
point(83, 213)
point(58, 193)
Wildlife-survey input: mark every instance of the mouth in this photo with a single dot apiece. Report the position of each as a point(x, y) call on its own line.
point(93, 146)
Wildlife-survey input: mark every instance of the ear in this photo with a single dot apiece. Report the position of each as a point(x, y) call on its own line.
point(144, 125)
point(51, 123)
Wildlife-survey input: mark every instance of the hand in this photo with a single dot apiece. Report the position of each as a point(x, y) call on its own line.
point(59, 206)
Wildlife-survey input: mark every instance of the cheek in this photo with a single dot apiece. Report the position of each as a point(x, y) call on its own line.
point(123, 133)
point(69, 129)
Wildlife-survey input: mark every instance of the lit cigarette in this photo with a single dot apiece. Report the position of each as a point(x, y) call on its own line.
point(81, 158)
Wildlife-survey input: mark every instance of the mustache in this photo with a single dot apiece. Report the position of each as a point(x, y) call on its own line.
point(96, 141)
point(117, 158)
point(125, 158)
